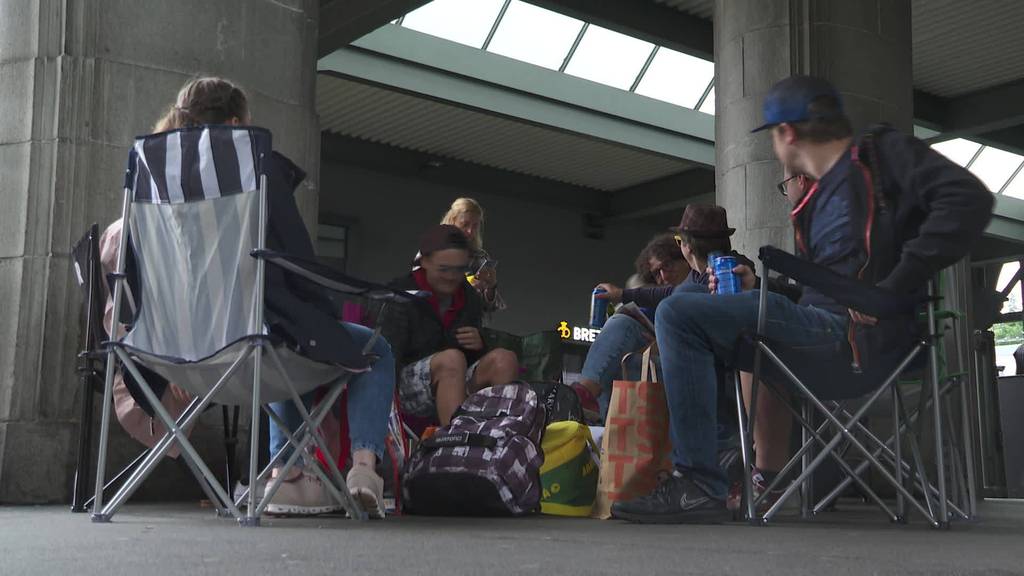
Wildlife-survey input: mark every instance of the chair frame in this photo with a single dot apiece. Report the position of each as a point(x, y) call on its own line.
point(255, 347)
point(937, 508)
point(92, 377)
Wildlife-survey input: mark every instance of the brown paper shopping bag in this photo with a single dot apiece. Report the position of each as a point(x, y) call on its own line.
point(636, 444)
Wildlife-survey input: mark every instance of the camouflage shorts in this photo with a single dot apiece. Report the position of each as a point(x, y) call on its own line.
point(415, 389)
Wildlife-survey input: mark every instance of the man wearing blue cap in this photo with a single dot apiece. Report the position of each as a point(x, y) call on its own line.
point(934, 212)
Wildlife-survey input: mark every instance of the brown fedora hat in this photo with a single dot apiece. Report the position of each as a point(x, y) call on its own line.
point(705, 221)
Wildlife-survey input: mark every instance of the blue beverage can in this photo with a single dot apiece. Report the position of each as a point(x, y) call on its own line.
point(728, 282)
point(598, 309)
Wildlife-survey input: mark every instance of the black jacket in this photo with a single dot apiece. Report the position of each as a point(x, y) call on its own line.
point(297, 310)
point(924, 213)
point(415, 331)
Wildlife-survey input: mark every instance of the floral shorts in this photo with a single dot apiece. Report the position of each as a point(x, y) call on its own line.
point(415, 387)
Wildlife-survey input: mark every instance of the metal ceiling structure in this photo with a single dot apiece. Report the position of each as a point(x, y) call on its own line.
point(968, 85)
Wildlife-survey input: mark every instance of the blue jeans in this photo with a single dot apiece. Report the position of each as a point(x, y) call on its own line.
point(369, 401)
point(696, 329)
point(620, 336)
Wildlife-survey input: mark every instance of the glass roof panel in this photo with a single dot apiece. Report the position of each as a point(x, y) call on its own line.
point(1016, 188)
point(958, 150)
point(995, 166)
point(464, 21)
point(535, 35)
point(677, 78)
point(609, 57)
point(709, 103)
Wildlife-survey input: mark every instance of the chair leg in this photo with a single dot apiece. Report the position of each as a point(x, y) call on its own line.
point(806, 494)
point(901, 512)
point(82, 470)
point(252, 512)
point(968, 442)
point(745, 452)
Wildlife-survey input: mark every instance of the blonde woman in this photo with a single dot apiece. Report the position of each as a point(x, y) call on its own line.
point(467, 215)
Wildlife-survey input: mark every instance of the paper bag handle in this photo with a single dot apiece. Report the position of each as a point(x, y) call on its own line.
point(647, 369)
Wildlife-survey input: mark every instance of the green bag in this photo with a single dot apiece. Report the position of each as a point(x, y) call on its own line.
point(569, 475)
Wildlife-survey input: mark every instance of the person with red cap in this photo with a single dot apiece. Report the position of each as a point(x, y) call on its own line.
point(436, 341)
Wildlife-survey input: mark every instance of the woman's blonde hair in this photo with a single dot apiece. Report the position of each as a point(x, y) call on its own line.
point(207, 100)
point(467, 206)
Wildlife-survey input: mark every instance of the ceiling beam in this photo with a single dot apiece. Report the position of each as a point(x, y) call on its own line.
point(342, 21)
point(415, 63)
point(668, 194)
point(995, 112)
point(646, 20)
point(376, 157)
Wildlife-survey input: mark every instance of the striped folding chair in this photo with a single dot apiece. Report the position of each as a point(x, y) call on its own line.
point(195, 205)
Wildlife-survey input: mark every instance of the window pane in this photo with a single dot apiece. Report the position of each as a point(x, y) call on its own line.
point(995, 166)
point(609, 57)
point(464, 21)
point(1005, 275)
point(1016, 188)
point(709, 103)
point(958, 150)
point(677, 78)
point(1008, 337)
point(535, 35)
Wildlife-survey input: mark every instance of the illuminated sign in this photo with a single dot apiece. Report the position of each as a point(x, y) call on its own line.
point(577, 334)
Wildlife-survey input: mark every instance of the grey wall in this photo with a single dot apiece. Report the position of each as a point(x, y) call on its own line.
point(78, 80)
point(546, 269)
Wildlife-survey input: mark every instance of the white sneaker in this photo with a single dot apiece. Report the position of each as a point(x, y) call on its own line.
point(368, 489)
point(304, 495)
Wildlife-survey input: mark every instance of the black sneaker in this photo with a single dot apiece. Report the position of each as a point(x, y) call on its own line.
point(676, 500)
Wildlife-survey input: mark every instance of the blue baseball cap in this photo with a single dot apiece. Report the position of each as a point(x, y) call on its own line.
point(788, 100)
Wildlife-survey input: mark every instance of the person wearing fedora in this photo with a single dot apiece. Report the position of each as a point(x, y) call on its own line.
point(704, 229)
point(934, 211)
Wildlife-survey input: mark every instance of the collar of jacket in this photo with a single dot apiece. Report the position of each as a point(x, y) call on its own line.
point(458, 299)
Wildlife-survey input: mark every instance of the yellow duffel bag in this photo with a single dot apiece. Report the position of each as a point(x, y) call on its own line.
point(569, 474)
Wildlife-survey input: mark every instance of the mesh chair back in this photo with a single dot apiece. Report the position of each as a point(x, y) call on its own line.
point(194, 221)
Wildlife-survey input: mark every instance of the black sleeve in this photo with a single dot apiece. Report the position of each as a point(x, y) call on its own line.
point(647, 297)
point(394, 320)
point(957, 208)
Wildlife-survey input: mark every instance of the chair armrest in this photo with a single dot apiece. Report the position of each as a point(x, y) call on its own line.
point(850, 292)
point(327, 277)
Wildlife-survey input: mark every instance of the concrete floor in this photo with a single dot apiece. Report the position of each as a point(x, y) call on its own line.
point(184, 539)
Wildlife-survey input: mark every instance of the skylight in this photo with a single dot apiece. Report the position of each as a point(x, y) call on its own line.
point(958, 150)
point(535, 35)
point(541, 37)
point(677, 78)
point(464, 21)
point(609, 57)
point(994, 167)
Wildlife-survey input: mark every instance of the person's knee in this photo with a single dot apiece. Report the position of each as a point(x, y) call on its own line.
point(448, 362)
point(682, 309)
point(503, 361)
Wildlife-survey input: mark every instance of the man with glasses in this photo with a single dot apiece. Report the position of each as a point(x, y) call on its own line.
point(937, 210)
point(436, 340)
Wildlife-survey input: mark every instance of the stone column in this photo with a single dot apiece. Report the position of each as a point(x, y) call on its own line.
point(77, 81)
point(861, 46)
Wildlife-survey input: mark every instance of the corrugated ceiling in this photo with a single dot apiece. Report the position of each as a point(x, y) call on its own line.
point(383, 116)
point(960, 46)
point(700, 8)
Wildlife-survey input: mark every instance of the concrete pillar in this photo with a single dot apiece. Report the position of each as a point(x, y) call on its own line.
point(77, 81)
point(861, 46)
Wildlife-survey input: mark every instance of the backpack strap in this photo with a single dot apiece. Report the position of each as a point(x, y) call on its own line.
point(865, 153)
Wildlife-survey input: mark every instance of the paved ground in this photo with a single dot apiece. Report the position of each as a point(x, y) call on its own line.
point(183, 539)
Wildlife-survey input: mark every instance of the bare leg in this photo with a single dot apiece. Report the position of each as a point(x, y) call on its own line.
point(499, 366)
point(772, 426)
point(448, 371)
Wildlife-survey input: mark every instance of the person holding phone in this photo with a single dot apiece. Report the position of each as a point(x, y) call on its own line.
point(440, 355)
point(467, 215)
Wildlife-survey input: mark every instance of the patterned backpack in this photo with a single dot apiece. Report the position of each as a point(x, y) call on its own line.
point(486, 462)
